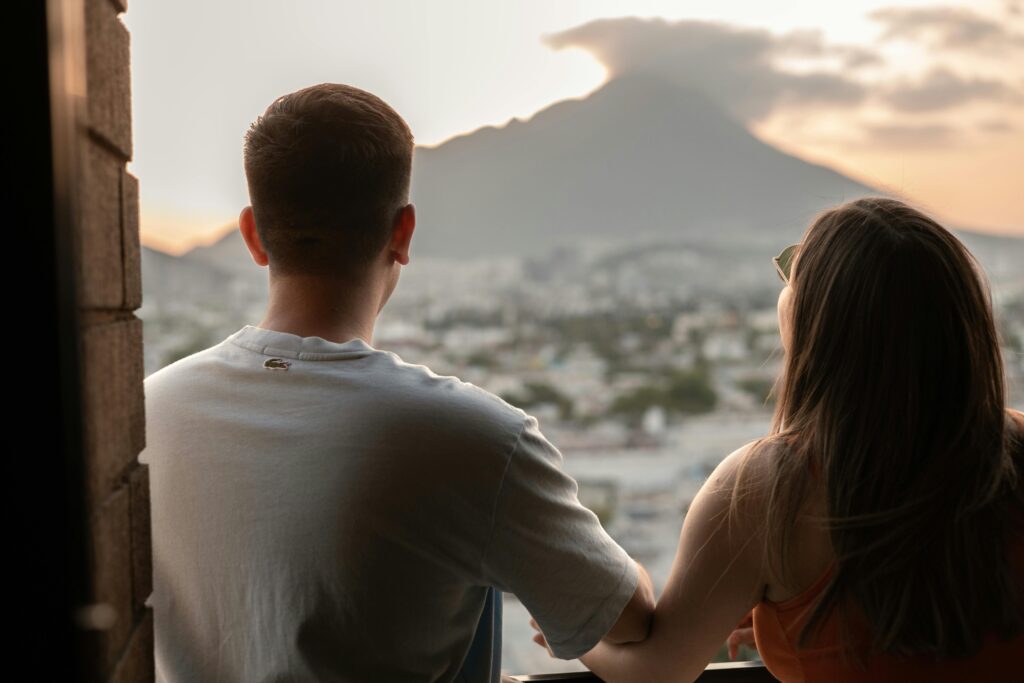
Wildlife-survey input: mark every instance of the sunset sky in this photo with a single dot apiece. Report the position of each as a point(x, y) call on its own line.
point(923, 99)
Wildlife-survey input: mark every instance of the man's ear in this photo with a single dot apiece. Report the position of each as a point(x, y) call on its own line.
point(401, 233)
point(247, 226)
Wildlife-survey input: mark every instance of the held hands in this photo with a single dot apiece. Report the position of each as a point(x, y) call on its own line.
point(743, 634)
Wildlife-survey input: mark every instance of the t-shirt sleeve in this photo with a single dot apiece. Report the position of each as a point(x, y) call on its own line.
point(552, 552)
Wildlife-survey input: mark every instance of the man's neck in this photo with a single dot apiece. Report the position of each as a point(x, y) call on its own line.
point(334, 310)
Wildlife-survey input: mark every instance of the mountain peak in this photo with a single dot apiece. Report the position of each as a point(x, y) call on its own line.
point(639, 157)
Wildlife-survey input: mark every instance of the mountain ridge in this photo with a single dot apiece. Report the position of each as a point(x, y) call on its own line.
point(637, 159)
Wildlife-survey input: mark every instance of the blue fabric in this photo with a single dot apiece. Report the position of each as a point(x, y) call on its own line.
point(483, 661)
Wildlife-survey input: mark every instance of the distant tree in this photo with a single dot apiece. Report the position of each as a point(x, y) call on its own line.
point(681, 391)
point(197, 342)
point(634, 404)
point(690, 391)
point(483, 359)
point(539, 393)
point(759, 388)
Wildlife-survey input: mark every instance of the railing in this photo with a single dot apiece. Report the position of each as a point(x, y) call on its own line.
point(728, 672)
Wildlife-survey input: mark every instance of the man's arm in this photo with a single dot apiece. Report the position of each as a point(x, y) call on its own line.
point(633, 625)
point(550, 551)
point(635, 621)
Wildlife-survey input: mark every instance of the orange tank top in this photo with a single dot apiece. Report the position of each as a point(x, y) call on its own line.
point(777, 627)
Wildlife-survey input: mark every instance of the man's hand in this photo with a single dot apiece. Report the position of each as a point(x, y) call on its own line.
point(540, 639)
point(743, 634)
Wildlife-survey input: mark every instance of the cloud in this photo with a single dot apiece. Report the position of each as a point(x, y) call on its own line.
point(811, 43)
point(997, 126)
point(948, 27)
point(910, 135)
point(941, 88)
point(734, 66)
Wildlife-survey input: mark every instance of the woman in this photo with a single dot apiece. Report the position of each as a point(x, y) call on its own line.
point(877, 533)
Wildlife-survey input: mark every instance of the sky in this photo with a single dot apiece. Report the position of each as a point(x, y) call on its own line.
point(922, 98)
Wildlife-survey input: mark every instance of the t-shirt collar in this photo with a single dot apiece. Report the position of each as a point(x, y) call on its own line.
point(274, 343)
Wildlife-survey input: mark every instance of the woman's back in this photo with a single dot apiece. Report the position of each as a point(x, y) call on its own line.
point(782, 615)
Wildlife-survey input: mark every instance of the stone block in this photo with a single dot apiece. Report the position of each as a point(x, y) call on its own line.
point(101, 283)
point(130, 245)
point(114, 402)
point(111, 572)
point(108, 76)
point(142, 543)
point(136, 665)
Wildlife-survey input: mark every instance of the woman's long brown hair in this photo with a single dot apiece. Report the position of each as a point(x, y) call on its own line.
point(893, 392)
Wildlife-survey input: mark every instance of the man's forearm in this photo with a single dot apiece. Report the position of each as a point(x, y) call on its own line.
point(637, 622)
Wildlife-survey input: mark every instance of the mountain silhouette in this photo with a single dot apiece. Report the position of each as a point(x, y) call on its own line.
point(640, 158)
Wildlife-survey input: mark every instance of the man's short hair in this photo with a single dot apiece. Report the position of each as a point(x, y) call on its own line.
point(328, 167)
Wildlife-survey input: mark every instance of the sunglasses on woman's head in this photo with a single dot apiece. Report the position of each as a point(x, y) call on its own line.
point(784, 261)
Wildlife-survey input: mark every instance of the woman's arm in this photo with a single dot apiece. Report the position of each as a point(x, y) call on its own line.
point(716, 579)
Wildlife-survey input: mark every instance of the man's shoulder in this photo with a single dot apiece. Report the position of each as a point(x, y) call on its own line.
point(419, 388)
point(169, 390)
point(182, 368)
point(171, 376)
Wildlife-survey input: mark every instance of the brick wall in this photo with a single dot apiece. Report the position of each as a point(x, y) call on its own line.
point(110, 290)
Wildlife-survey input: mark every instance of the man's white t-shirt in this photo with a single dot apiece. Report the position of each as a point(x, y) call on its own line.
point(324, 511)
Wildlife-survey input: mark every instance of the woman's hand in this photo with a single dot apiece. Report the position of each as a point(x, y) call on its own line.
point(743, 634)
point(539, 638)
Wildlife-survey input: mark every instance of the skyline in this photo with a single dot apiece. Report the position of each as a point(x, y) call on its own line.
point(910, 99)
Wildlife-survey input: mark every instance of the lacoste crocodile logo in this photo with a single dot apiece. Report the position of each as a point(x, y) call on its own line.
point(276, 364)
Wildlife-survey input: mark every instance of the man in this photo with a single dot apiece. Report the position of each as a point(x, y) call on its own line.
point(324, 511)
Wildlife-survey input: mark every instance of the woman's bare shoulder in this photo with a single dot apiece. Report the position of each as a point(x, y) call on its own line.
point(753, 461)
point(744, 477)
